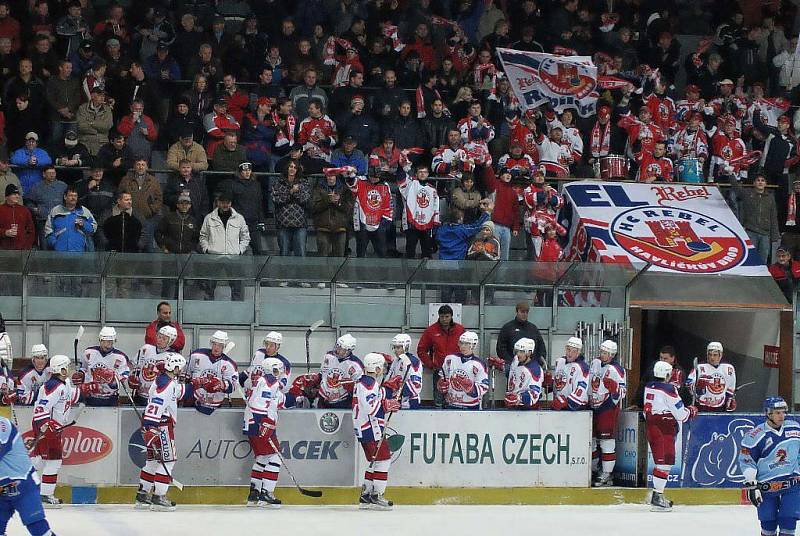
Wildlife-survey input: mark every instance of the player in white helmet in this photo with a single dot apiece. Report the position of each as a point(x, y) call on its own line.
point(714, 382)
point(260, 427)
point(524, 377)
point(148, 361)
point(571, 379)
point(31, 377)
point(402, 361)
point(50, 414)
point(371, 404)
point(663, 410)
point(463, 379)
point(105, 365)
point(213, 374)
point(7, 384)
point(272, 343)
point(158, 434)
point(339, 371)
point(608, 391)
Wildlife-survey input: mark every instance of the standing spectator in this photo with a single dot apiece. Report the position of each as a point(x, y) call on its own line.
point(217, 125)
point(266, 88)
point(179, 230)
point(97, 193)
point(332, 209)
point(115, 157)
point(785, 270)
point(465, 200)
point(44, 196)
point(72, 28)
point(317, 133)
point(237, 100)
point(182, 120)
point(147, 200)
point(43, 57)
point(506, 215)
point(70, 226)
point(187, 183)
point(258, 135)
point(405, 129)
point(421, 216)
point(16, 225)
point(517, 328)
point(780, 154)
point(155, 29)
point(164, 318)
point(95, 120)
point(187, 42)
point(70, 153)
point(200, 97)
point(302, 96)
point(436, 125)
point(122, 229)
point(224, 231)
point(454, 238)
point(7, 177)
point(139, 130)
point(9, 26)
point(291, 195)
point(348, 155)
point(229, 154)
point(63, 93)
point(439, 340)
point(248, 200)
point(31, 160)
point(759, 215)
point(360, 125)
point(187, 149)
point(207, 64)
point(374, 212)
point(388, 98)
point(136, 86)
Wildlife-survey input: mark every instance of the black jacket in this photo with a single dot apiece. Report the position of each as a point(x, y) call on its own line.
point(406, 131)
point(434, 130)
point(197, 191)
point(247, 197)
point(515, 330)
point(122, 233)
point(363, 127)
point(778, 148)
point(178, 233)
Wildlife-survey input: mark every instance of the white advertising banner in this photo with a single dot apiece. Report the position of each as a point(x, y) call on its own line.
point(675, 228)
point(491, 449)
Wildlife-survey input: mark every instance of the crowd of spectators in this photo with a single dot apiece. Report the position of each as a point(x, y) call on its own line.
point(159, 128)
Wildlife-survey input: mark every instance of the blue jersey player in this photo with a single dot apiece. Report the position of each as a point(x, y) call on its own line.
point(19, 484)
point(770, 462)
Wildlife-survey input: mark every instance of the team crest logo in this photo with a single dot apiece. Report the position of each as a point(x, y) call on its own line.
point(727, 152)
point(595, 383)
point(678, 239)
point(333, 379)
point(716, 387)
point(374, 198)
point(329, 422)
point(559, 382)
point(780, 455)
point(565, 79)
point(422, 200)
point(460, 381)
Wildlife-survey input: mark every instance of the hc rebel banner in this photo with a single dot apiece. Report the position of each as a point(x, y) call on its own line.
point(676, 228)
point(562, 81)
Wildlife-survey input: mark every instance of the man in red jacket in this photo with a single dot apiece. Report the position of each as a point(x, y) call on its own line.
point(506, 210)
point(164, 319)
point(437, 342)
point(16, 224)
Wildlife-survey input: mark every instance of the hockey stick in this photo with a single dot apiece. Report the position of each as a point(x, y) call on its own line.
point(685, 446)
point(78, 336)
point(40, 434)
point(744, 385)
point(141, 421)
point(302, 490)
point(388, 419)
point(311, 329)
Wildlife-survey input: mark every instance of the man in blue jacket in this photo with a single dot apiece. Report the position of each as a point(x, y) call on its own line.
point(454, 238)
point(31, 160)
point(69, 226)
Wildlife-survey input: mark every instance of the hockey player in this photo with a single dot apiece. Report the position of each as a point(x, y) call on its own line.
point(272, 343)
point(158, 434)
point(105, 365)
point(463, 378)
point(524, 377)
point(404, 360)
point(769, 459)
point(7, 384)
point(50, 415)
point(713, 382)
point(213, 374)
point(260, 422)
point(663, 410)
point(371, 402)
point(339, 371)
point(148, 361)
point(608, 390)
point(571, 379)
point(32, 377)
point(19, 484)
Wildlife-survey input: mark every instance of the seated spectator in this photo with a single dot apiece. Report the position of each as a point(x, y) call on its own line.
point(348, 155)
point(258, 135)
point(17, 230)
point(332, 211)
point(187, 183)
point(229, 154)
point(139, 130)
point(217, 124)
point(187, 149)
point(115, 157)
point(224, 231)
point(238, 101)
point(147, 200)
point(98, 194)
point(464, 200)
point(317, 133)
point(162, 66)
point(179, 230)
point(291, 195)
point(164, 318)
point(44, 196)
point(360, 125)
point(70, 226)
point(122, 230)
point(302, 95)
point(181, 121)
point(95, 120)
point(31, 160)
point(454, 238)
point(71, 153)
point(7, 176)
point(785, 271)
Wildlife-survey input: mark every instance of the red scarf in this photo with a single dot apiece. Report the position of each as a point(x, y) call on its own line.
point(601, 143)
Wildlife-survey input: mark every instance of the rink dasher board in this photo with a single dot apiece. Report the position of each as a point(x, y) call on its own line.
point(437, 449)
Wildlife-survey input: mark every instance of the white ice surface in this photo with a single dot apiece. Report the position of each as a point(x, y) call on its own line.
point(624, 520)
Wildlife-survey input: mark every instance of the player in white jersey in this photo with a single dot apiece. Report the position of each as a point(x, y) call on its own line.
point(463, 378)
point(50, 415)
point(608, 391)
point(714, 382)
point(524, 377)
point(158, 434)
point(149, 363)
point(339, 371)
point(105, 365)
point(571, 379)
point(272, 343)
point(371, 403)
point(7, 383)
point(260, 424)
point(215, 373)
point(406, 361)
point(31, 377)
point(663, 410)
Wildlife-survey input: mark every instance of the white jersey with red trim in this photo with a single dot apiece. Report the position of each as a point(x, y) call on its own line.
point(661, 401)
point(602, 397)
point(524, 164)
point(525, 381)
point(368, 415)
point(263, 403)
point(467, 380)
point(162, 400)
point(554, 156)
point(29, 381)
point(257, 366)
point(571, 380)
point(202, 364)
point(476, 130)
point(413, 386)
point(94, 358)
point(720, 384)
point(146, 367)
point(318, 136)
point(422, 204)
point(570, 135)
point(54, 401)
point(690, 143)
point(333, 371)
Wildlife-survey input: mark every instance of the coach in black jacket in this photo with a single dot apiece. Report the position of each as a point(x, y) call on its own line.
point(515, 330)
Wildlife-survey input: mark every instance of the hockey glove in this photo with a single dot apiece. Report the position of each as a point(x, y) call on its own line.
point(512, 399)
point(393, 383)
point(391, 405)
point(91, 388)
point(199, 383)
point(151, 438)
point(692, 412)
point(610, 384)
point(10, 398)
point(50, 425)
point(753, 493)
point(559, 403)
point(497, 362)
point(731, 405)
point(443, 385)
point(78, 377)
point(214, 385)
point(134, 382)
point(266, 428)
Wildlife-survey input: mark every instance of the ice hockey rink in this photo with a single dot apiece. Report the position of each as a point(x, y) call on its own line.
point(441, 520)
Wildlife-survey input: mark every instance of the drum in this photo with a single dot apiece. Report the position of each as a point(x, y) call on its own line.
point(613, 167)
point(689, 170)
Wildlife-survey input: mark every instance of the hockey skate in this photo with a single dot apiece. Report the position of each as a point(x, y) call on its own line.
point(142, 501)
point(364, 502)
point(252, 498)
point(603, 480)
point(268, 500)
point(659, 503)
point(160, 503)
point(51, 501)
point(379, 502)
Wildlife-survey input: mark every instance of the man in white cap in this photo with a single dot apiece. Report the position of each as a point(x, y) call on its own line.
point(213, 374)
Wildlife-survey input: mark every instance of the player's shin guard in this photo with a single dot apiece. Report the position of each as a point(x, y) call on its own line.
point(50, 476)
point(608, 454)
point(147, 476)
point(161, 479)
point(595, 457)
point(380, 474)
point(271, 473)
point(257, 473)
point(367, 487)
point(660, 477)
